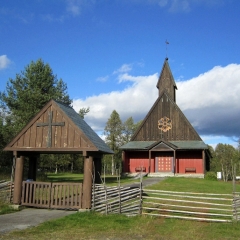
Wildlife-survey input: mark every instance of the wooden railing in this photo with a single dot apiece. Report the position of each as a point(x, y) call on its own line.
point(187, 205)
point(6, 191)
point(117, 199)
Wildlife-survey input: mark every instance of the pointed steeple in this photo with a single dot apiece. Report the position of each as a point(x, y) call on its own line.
point(166, 81)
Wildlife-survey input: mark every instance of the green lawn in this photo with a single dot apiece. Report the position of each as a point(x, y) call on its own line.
point(75, 177)
point(182, 184)
point(90, 225)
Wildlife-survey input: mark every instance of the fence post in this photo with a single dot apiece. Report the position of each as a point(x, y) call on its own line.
point(106, 207)
point(140, 196)
point(234, 203)
point(119, 193)
point(93, 196)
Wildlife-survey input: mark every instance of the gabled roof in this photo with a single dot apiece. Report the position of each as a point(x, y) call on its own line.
point(58, 128)
point(175, 145)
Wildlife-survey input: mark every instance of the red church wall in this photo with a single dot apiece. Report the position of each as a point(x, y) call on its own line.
point(134, 161)
point(187, 161)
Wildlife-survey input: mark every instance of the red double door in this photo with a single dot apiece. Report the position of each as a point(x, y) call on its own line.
point(164, 163)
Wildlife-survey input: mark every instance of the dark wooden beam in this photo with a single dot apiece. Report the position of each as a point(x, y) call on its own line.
point(87, 182)
point(18, 180)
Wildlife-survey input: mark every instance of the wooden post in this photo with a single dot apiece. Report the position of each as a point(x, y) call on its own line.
point(32, 169)
point(204, 164)
point(123, 162)
point(149, 161)
point(18, 180)
point(87, 183)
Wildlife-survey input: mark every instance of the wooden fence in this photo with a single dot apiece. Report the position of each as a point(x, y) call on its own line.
point(124, 200)
point(6, 191)
point(236, 206)
point(52, 195)
point(188, 205)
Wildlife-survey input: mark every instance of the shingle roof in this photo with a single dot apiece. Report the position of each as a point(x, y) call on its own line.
point(86, 129)
point(189, 144)
point(146, 145)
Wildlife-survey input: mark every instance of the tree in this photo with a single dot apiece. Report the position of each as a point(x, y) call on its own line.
point(30, 91)
point(129, 128)
point(227, 156)
point(113, 132)
point(214, 163)
point(26, 95)
point(83, 111)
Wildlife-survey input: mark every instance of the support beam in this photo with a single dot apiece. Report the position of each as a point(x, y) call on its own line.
point(204, 162)
point(87, 183)
point(18, 178)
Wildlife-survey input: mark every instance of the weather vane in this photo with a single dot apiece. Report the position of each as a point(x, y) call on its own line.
point(166, 48)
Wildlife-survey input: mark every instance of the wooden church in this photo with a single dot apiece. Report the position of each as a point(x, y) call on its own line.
point(166, 144)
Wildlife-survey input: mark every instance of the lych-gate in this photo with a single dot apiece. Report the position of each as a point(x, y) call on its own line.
point(57, 128)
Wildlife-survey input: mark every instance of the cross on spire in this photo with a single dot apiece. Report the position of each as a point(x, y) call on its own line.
point(50, 124)
point(166, 47)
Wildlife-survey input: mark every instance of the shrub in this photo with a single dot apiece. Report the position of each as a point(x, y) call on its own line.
point(211, 176)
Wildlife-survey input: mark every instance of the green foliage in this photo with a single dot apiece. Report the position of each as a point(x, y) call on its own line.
point(228, 157)
point(211, 176)
point(61, 163)
point(24, 96)
point(6, 208)
point(30, 91)
point(117, 134)
point(83, 111)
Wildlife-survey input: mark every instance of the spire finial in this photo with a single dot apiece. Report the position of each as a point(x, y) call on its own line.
point(166, 49)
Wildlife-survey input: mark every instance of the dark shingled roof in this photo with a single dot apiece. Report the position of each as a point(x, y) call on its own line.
point(146, 145)
point(86, 129)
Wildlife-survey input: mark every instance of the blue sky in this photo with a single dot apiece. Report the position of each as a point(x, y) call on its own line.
point(110, 54)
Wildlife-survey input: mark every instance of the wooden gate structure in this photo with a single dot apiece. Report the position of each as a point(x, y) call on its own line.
point(56, 129)
point(52, 195)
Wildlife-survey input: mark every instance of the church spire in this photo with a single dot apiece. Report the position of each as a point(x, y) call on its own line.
point(166, 81)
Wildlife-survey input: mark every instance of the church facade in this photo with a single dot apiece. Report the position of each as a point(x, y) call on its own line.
point(166, 143)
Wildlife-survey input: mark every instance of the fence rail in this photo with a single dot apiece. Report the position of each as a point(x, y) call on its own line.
point(125, 200)
point(6, 191)
point(188, 205)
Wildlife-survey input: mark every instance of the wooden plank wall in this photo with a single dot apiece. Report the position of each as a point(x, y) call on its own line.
point(62, 136)
point(181, 128)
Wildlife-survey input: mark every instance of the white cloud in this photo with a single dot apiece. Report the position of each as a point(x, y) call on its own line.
point(4, 62)
point(132, 101)
point(102, 79)
point(211, 101)
point(184, 5)
point(75, 6)
point(123, 69)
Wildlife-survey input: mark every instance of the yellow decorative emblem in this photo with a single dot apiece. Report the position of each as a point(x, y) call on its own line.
point(164, 124)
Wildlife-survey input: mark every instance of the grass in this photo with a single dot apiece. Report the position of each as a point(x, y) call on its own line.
point(182, 184)
point(75, 177)
point(90, 225)
point(6, 208)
